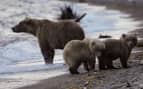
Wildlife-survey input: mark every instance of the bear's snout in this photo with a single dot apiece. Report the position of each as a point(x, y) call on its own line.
point(13, 29)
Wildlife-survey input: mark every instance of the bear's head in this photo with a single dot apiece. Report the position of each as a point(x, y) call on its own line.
point(27, 25)
point(131, 39)
point(96, 46)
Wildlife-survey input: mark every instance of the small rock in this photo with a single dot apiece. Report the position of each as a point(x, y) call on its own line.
point(141, 62)
point(84, 87)
point(86, 83)
point(128, 84)
point(141, 86)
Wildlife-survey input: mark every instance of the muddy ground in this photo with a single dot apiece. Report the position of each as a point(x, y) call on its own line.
point(131, 78)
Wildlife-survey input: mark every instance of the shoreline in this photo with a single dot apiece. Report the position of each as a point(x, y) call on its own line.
point(99, 79)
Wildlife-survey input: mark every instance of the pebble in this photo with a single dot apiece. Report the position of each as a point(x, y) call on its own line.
point(141, 86)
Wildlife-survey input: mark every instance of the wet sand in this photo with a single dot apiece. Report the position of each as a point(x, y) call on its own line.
point(130, 78)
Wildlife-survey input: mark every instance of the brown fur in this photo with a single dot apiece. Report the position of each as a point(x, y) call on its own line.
point(117, 48)
point(51, 35)
point(84, 51)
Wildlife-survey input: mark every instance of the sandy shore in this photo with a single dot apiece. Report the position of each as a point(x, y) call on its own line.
point(130, 78)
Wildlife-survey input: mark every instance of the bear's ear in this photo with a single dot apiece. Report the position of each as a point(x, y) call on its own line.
point(27, 18)
point(30, 21)
point(123, 35)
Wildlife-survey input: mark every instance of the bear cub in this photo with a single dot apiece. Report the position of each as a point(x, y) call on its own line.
point(84, 51)
point(117, 48)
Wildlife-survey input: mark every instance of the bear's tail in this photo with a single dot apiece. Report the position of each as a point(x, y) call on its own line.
point(79, 18)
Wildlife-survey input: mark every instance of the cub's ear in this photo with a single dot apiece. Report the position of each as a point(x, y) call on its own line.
point(123, 35)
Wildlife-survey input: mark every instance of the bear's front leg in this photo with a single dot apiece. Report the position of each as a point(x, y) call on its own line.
point(47, 52)
point(91, 64)
point(48, 56)
point(101, 63)
point(109, 64)
point(86, 66)
point(124, 62)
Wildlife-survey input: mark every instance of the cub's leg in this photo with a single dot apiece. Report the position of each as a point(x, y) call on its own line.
point(101, 63)
point(109, 64)
point(73, 69)
point(91, 64)
point(123, 60)
point(86, 66)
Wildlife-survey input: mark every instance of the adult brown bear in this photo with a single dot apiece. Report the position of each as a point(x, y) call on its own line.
point(84, 51)
point(51, 35)
point(117, 48)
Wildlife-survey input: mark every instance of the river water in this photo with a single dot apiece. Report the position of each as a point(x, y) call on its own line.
point(21, 62)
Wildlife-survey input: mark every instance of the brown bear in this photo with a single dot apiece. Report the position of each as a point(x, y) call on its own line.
point(117, 48)
point(84, 51)
point(51, 35)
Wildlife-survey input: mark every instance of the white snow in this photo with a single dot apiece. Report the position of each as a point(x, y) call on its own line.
point(20, 56)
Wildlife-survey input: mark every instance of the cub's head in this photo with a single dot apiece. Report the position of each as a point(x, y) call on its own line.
point(96, 46)
point(131, 39)
point(27, 25)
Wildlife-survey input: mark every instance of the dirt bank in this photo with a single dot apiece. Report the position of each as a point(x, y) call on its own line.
point(130, 78)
